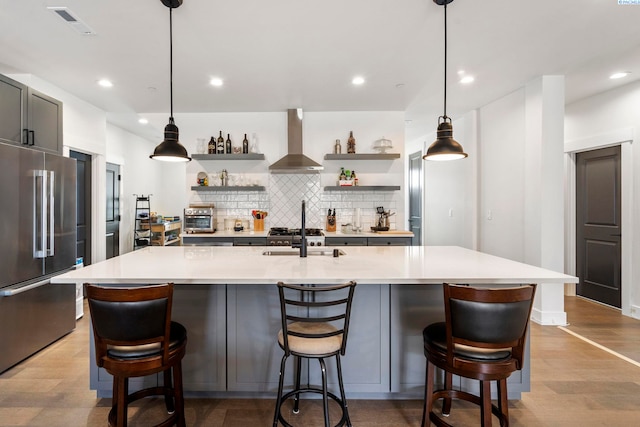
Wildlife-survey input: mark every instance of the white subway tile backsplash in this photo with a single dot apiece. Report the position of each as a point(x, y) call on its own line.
point(282, 200)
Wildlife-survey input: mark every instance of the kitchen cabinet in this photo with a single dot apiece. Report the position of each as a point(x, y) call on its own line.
point(29, 118)
point(389, 241)
point(201, 310)
point(228, 188)
point(345, 241)
point(412, 309)
point(253, 316)
point(249, 241)
point(367, 241)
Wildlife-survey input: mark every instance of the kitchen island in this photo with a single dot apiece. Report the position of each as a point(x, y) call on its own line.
point(226, 298)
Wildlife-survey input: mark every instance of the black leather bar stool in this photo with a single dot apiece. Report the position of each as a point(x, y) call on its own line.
point(315, 325)
point(483, 338)
point(134, 336)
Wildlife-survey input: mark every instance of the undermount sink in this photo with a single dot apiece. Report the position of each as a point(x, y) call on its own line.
point(324, 252)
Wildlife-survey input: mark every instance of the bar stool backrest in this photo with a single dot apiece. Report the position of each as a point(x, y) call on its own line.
point(487, 318)
point(316, 304)
point(130, 320)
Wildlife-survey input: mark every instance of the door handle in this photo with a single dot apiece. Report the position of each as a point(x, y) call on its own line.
point(39, 214)
point(32, 134)
point(52, 213)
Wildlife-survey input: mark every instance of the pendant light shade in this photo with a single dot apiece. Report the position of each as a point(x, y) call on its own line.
point(445, 147)
point(170, 150)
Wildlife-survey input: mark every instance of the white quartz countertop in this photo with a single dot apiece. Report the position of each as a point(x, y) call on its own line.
point(365, 264)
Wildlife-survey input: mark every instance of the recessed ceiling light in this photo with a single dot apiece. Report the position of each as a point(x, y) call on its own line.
point(358, 80)
point(467, 79)
point(619, 75)
point(105, 83)
point(216, 81)
point(143, 121)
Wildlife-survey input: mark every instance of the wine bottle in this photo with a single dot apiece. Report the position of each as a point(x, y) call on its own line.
point(245, 145)
point(220, 146)
point(211, 149)
point(229, 148)
point(351, 143)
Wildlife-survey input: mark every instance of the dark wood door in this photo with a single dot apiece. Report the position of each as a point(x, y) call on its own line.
point(113, 210)
point(415, 197)
point(83, 206)
point(599, 232)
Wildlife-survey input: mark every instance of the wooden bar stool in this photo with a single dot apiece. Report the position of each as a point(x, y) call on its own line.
point(315, 325)
point(483, 338)
point(134, 337)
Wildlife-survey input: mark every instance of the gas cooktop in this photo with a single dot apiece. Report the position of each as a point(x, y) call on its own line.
point(283, 231)
point(282, 236)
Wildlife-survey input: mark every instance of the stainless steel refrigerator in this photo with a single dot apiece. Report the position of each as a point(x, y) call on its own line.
point(38, 234)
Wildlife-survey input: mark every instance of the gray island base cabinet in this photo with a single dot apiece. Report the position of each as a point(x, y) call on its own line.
point(227, 299)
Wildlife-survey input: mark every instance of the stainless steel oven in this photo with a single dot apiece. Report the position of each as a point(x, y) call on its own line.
point(199, 219)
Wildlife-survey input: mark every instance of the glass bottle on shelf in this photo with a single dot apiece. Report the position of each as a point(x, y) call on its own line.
point(351, 143)
point(354, 178)
point(229, 148)
point(212, 146)
point(245, 145)
point(220, 145)
point(343, 175)
point(337, 148)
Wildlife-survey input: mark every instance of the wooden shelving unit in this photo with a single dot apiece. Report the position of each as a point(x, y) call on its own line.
point(364, 156)
point(362, 188)
point(247, 156)
point(165, 233)
point(228, 188)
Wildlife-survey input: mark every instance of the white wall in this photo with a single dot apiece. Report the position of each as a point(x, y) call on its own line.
point(269, 130)
point(601, 120)
point(450, 188)
point(140, 175)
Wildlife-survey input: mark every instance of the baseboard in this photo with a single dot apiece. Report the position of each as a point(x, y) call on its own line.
point(556, 318)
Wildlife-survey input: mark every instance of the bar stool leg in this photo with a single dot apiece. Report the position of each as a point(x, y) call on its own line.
point(179, 394)
point(121, 385)
point(279, 398)
point(342, 393)
point(296, 398)
point(485, 405)
point(446, 402)
point(168, 387)
point(428, 394)
point(325, 399)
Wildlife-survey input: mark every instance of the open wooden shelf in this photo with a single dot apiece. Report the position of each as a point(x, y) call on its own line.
point(362, 188)
point(228, 188)
point(365, 156)
point(239, 156)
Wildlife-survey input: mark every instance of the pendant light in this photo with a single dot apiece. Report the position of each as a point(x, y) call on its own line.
point(445, 147)
point(170, 150)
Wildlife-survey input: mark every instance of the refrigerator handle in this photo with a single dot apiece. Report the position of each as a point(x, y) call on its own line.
point(39, 215)
point(52, 213)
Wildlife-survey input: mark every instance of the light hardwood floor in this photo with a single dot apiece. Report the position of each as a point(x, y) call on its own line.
point(574, 383)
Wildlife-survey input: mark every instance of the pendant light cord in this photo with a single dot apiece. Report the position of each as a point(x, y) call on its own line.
point(445, 62)
point(171, 61)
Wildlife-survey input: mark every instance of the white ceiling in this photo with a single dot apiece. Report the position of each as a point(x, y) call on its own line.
point(281, 54)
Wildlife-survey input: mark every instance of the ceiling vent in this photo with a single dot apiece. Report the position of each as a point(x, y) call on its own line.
point(72, 20)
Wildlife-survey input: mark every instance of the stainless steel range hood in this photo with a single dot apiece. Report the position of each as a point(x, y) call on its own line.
point(295, 161)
